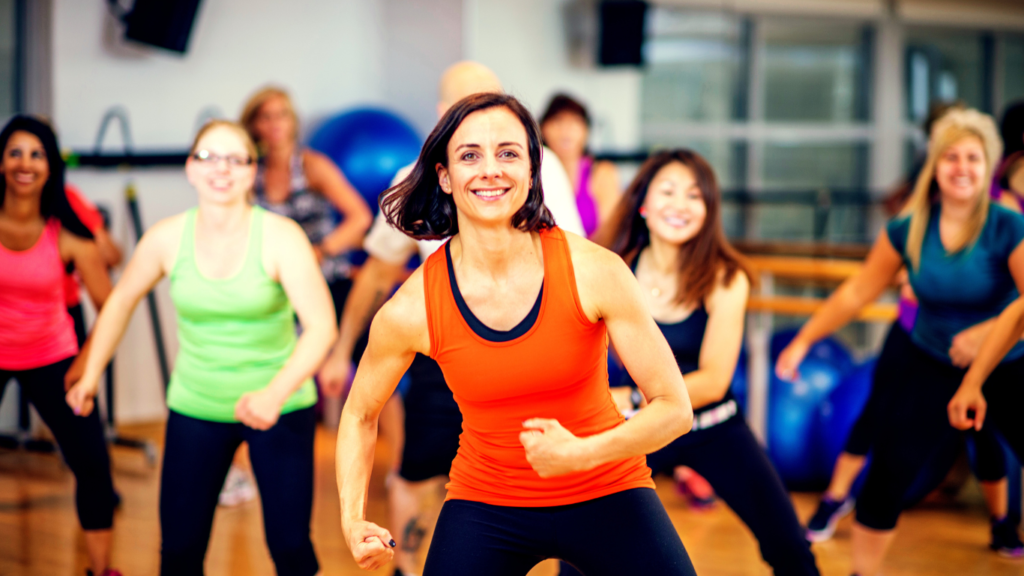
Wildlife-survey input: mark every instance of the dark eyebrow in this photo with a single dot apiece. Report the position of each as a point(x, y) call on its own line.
point(516, 144)
point(460, 146)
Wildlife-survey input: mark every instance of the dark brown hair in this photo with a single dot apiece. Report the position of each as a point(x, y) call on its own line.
point(53, 202)
point(565, 103)
point(418, 206)
point(702, 258)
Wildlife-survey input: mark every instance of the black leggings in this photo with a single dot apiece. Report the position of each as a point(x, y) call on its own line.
point(197, 455)
point(990, 460)
point(736, 466)
point(623, 533)
point(80, 439)
point(914, 428)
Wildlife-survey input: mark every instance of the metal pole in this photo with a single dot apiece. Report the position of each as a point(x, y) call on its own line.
point(154, 313)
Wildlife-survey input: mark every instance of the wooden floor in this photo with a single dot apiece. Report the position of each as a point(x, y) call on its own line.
point(39, 532)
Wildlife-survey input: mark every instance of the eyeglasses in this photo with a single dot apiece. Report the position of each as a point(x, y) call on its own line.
point(233, 160)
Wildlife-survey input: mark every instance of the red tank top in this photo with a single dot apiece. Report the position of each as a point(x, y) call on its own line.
point(556, 369)
point(35, 328)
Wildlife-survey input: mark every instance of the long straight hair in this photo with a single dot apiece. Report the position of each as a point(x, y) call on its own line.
point(418, 206)
point(54, 201)
point(702, 258)
point(950, 129)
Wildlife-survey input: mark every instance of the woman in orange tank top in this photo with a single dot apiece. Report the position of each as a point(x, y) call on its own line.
point(518, 315)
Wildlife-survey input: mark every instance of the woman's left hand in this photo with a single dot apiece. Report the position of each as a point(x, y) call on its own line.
point(967, 343)
point(259, 410)
point(551, 449)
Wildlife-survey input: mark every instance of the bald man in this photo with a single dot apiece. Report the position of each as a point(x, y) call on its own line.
point(425, 436)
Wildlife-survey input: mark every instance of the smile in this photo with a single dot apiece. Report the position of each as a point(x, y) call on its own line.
point(490, 194)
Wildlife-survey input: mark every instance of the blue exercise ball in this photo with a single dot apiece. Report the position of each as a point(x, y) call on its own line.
point(793, 408)
point(840, 411)
point(370, 145)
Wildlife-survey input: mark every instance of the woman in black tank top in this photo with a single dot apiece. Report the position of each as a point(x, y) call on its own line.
point(668, 228)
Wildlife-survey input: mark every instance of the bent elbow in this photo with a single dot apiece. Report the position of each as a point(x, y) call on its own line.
point(685, 420)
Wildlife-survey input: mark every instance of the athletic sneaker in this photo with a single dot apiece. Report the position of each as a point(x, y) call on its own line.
point(238, 488)
point(694, 488)
point(1005, 540)
point(823, 524)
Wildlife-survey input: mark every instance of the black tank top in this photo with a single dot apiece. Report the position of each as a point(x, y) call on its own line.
point(685, 338)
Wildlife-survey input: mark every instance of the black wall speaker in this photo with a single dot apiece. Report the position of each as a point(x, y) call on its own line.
point(621, 32)
point(163, 23)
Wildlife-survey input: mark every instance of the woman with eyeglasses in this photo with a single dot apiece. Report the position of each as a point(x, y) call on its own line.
point(239, 277)
point(39, 236)
point(307, 187)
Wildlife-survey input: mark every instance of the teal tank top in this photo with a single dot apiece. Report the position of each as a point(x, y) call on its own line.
point(234, 334)
point(957, 291)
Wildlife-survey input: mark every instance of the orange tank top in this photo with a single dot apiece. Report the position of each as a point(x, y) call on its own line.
point(556, 369)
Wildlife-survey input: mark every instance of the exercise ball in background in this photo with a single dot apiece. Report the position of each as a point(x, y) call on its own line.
point(369, 145)
point(793, 410)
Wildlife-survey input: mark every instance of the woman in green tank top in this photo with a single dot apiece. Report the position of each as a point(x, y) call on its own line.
point(239, 276)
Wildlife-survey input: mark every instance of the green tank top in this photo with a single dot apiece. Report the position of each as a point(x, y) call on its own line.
point(234, 334)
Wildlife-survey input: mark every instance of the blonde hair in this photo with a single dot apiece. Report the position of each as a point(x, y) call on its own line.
point(256, 101)
point(954, 126)
point(234, 127)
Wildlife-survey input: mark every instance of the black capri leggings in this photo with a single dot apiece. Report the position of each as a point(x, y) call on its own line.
point(80, 439)
point(197, 455)
point(914, 428)
point(990, 460)
point(623, 533)
point(736, 466)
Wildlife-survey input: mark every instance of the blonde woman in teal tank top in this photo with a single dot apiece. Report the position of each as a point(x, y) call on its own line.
point(239, 276)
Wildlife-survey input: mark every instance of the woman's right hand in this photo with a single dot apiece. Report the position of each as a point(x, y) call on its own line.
point(371, 545)
point(81, 397)
point(787, 367)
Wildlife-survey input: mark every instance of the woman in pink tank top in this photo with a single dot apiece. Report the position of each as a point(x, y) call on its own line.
point(565, 127)
point(39, 236)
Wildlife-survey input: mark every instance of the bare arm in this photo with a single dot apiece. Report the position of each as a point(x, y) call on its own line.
point(609, 291)
point(90, 266)
point(370, 290)
point(881, 267)
point(397, 333)
point(148, 265)
point(325, 177)
point(723, 338)
point(289, 259)
point(1006, 331)
point(109, 250)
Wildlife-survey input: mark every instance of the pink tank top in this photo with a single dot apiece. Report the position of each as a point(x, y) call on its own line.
point(35, 328)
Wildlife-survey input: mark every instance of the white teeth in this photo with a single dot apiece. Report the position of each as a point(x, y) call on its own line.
point(488, 193)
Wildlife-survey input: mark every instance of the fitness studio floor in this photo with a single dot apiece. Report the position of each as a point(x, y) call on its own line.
point(39, 532)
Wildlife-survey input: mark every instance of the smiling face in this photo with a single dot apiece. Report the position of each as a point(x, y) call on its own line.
point(674, 207)
point(566, 134)
point(960, 170)
point(488, 172)
point(223, 177)
point(274, 123)
point(24, 166)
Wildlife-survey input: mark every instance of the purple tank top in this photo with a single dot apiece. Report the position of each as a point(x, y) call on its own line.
point(584, 200)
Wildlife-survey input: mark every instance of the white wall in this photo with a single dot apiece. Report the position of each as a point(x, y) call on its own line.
point(525, 43)
point(328, 53)
point(331, 54)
